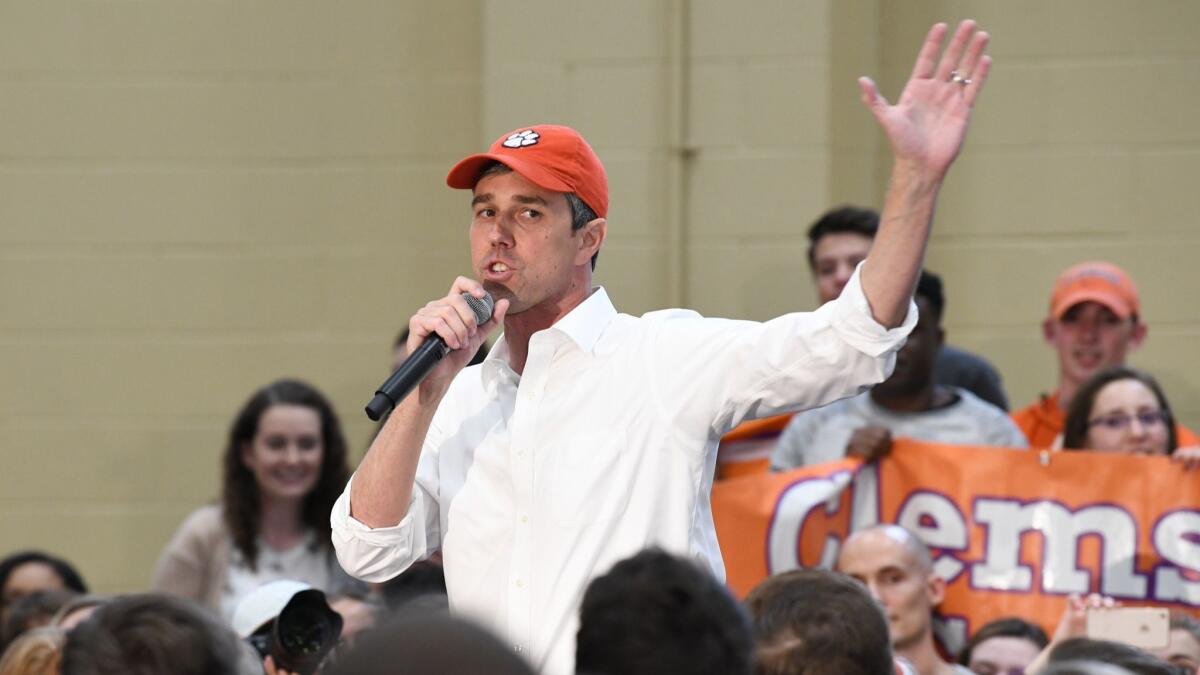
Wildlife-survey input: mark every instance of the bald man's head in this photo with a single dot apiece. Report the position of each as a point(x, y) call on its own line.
point(896, 567)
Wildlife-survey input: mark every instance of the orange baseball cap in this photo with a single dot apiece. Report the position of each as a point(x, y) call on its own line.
point(1100, 282)
point(550, 156)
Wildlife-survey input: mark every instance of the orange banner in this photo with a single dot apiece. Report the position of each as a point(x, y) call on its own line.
point(1012, 532)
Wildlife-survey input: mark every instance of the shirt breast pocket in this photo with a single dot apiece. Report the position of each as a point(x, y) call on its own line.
point(588, 478)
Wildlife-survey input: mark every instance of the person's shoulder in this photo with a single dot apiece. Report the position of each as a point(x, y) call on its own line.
point(963, 360)
point(971, 403)
point(207, 518)
point(995, 423)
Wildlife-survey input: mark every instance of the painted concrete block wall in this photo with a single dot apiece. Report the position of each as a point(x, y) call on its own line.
point(197, 198)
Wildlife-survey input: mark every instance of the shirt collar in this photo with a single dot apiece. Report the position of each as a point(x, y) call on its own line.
point(582, 325)
point(585, 323)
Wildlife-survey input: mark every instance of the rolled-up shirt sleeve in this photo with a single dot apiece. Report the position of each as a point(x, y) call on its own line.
point(376, 554)
point(854, 322)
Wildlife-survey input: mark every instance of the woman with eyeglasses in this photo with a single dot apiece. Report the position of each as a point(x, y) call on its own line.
point(1124, 410)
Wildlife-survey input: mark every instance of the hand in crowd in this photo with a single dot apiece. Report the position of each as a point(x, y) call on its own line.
point(928, 123)
point(1189, 457)
point(270, 669)
point(870, 443)
point(1073, 623)
point(357, 616)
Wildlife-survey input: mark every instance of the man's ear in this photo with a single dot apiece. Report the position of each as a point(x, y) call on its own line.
point(1049, 331)
point(937, 590)
point(1138, 335)
point(591, 237)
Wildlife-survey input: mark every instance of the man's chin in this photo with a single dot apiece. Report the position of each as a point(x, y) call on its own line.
point(500, 292)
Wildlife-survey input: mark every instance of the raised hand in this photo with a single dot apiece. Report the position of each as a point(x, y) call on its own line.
point(928, 123)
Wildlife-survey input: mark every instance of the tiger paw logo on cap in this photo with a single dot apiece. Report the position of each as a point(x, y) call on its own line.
point(522, 139)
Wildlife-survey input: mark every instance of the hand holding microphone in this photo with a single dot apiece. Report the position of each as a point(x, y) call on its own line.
point(455, 325)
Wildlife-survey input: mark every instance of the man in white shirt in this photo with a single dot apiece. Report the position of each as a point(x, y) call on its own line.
point(588, 435)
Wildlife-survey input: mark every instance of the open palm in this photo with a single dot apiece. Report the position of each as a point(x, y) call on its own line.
point(928, 123)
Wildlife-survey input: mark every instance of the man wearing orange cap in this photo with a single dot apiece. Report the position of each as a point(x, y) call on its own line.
point(1094, 323)
point(587, 435)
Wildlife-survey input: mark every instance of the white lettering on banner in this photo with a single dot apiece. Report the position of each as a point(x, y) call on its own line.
point(796, 502)
point(1177, 540)
point(864, 498)
point(936, 521)
point(1001, 569)
point(1061, 531)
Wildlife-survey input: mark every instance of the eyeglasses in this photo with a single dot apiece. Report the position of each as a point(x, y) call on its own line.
point(1120, 422)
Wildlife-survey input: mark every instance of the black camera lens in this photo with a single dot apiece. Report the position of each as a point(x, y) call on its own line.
point(306, 631)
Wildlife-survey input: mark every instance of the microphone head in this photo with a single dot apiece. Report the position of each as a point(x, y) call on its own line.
point(482, 307)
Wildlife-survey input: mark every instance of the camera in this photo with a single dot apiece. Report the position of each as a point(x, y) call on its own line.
point(299, 636)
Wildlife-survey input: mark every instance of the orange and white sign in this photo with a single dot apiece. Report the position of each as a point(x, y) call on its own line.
point(1013, 532)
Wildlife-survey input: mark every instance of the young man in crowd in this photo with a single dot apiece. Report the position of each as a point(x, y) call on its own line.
point(659, 613)
point(897, 570)
point(908, 404)
point(588, 435)
point(841, 239)
point(153, 634)
point(817, 622)
point(1094, 324)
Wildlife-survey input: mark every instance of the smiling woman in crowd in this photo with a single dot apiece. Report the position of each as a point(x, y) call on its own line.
point(1123, 410)
point(284, 465)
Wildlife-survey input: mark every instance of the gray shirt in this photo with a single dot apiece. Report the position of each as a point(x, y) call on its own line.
point(820, 435)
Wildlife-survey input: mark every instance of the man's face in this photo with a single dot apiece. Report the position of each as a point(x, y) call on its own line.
point(896, 579)
point(522, 246)
point(1182, 650)
point(1090, 337)
point(915, 360)
point(834, 258)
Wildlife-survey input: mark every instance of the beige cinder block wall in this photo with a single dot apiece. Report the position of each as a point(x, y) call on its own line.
point(197, 198)
point(1085, 147)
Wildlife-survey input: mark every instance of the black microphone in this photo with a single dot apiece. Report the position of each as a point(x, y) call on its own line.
point(421, 361)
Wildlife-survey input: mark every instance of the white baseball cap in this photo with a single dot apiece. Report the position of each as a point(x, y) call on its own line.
point(264, 604)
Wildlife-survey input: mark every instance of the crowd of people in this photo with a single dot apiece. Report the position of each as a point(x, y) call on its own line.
point(556, 495)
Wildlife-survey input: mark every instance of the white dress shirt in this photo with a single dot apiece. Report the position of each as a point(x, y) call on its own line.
point(533, 484)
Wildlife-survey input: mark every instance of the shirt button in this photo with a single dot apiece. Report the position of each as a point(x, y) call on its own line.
point(520, 584)
point(524, 519)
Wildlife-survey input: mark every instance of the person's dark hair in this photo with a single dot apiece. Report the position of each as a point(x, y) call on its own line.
point(420, 643)
point(240, 492)
point(1181, 620)
point(842, 220)
point(70, 578)
point(1130, 658)
point(818, 622)
point(150, 635)
point(32, 611)
point(1011, 627)
point(1075, 428)
point(1082, 668)
point(658, 613)
point(929, 286)
point(581, 213)
point(424, 579)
